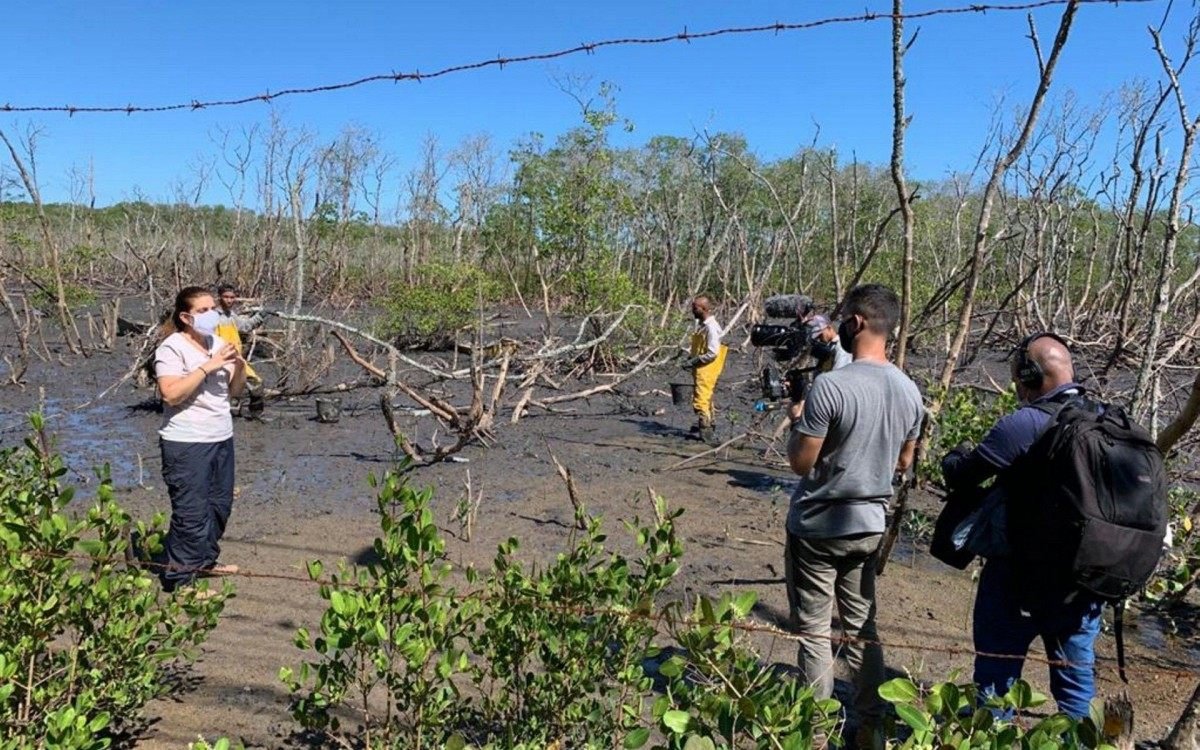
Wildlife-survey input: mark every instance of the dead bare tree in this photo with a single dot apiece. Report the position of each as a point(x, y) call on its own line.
point(999, 168)
point(1143, 403)
point(18, 365)
point(900, 123)
point(28, 174)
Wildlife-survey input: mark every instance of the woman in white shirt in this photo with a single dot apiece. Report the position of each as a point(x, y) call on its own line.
point(197, 374)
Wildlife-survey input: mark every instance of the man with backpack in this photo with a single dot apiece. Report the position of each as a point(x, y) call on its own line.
point(1077, 521)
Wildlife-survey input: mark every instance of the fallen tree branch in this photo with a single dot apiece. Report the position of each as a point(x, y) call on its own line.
point(437, 407)
point(577, 347)
point(709, 452)
point(603, 388)
point(359, 332)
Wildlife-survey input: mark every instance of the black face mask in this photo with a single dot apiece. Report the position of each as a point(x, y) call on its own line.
point(846, 335)
point(823, 349)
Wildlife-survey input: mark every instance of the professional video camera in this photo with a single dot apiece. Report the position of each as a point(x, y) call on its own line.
point(787, 343)
point(791, 384)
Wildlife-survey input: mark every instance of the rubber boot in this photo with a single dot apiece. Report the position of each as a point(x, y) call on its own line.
point(708, 433)
point(257, 404)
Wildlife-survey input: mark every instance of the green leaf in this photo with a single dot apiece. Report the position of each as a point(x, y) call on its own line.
point(899, 690)
point(98, 722)
point(983, 720)
point(696, 742)
point(635, 739)
point(338, 601)
point(747, 708)
point(456, 742)
point(913, 717)
point(1020, 695)
point(1055, 725)
point(672, 667)
point(314, 569)
point(93, 547)
point(677, 721)
point(743, 603)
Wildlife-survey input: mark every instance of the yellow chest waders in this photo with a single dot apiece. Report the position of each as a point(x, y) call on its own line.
point(705, 376)
point(229, 333)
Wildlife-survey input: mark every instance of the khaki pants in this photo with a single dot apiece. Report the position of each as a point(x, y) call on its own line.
point(820, 572)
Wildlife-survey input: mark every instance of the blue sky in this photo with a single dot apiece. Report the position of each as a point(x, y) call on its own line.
point(775, 89)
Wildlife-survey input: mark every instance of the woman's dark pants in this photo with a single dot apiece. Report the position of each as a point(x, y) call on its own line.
point(199, 478)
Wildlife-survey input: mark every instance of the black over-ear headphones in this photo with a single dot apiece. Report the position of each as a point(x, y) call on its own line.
point(1029, 373)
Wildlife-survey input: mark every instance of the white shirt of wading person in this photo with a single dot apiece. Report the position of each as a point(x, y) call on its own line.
point(712, 339)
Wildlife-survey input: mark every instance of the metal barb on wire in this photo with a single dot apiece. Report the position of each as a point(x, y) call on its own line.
point(585, 48)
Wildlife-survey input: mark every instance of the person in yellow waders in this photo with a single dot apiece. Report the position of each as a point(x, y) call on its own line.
point(706, 363)
point(230, 327)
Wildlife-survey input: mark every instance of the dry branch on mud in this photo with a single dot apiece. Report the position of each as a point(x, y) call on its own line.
point(476, 422)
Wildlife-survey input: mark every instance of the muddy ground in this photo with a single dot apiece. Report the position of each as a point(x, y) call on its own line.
point(304, 496)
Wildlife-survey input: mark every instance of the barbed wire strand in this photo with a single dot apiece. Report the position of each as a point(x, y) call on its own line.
point(584, 48)
point(658, 618)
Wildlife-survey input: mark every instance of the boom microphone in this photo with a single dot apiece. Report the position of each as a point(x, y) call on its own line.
point(787, 305)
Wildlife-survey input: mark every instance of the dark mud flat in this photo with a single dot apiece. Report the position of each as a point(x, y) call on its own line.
point(303, 496)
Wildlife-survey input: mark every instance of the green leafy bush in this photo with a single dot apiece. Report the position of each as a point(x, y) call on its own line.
point(443, 299)
point(600, 286)
point(957, 716)
point(558, 659)
point(967, 414)
point(392, 628)
point(1180, 568)
point(510, 663)
point(85, 640)
point(720, 694)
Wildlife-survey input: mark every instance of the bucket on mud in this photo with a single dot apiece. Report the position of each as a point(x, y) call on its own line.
point(681, 393)
point(329, 410)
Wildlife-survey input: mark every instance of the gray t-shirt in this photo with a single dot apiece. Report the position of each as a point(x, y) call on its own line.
point(865, 411)
point(205, 416)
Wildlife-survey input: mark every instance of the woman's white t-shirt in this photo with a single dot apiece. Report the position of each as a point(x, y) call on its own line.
point(205, 416)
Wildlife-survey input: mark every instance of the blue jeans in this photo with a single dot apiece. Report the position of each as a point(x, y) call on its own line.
point(1069, 635)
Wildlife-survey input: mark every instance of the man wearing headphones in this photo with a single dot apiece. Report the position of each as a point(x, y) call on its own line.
point(1042, 370)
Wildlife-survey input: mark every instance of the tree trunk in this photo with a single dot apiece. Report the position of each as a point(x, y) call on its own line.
point(899, 125)
point(982, 226)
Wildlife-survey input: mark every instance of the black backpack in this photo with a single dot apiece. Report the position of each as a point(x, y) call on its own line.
point(1087, 508)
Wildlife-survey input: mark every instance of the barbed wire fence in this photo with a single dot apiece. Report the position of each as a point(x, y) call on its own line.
point(501, 62)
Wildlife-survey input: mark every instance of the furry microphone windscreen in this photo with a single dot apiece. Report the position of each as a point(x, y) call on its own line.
point(787, 305)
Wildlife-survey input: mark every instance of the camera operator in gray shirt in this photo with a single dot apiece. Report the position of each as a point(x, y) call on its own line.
point(858, 426)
